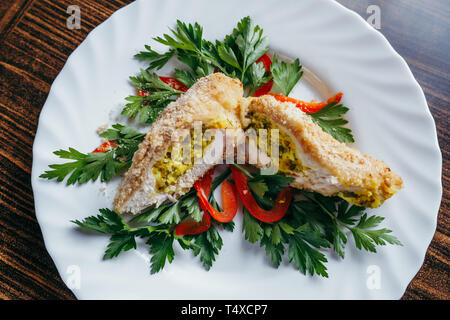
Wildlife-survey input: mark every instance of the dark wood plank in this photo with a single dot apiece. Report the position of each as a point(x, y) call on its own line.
point(11, 13)
point(34, 45)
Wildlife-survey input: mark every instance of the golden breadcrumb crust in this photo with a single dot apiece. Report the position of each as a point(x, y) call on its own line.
point(360, 173)
point(213, 97)
point(330, 167)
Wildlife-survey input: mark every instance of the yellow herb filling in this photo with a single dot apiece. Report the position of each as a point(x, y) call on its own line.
point(288, 162)
point(168, 170)
point(373, 197)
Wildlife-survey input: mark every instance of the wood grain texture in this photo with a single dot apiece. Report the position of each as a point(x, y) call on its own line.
point(34, 45)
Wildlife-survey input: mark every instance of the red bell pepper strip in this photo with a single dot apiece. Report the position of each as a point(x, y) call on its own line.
point(265, 89)
point(308, 107)
point(266, 61)
point(190, 226)
point(229, 198)
point(172, 82)
point(142, 93)
point(278, 211)
point(105, 146)
point(229, 202)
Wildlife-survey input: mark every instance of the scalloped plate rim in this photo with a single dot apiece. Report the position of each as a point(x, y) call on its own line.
point(108, 21)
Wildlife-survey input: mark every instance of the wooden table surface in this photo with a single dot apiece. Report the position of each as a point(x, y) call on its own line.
point(34, 45)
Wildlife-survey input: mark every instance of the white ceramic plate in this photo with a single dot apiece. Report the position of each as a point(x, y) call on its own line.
point(388, 114)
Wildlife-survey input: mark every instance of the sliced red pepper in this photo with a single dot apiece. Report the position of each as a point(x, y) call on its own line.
point(278, 211)
point(229, 202)
point(206, 181)
point(265, 89)
point(105, 146)
point(308, 107)
point(266, 61)
point(229, 198)
point(142, 93)
point(189, 226)
point(172, 82)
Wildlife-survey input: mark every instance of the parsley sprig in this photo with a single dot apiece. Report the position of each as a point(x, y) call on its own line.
point(146, 109)
point(160, 238)
point(122, 234)
point(331, 120)
point(157, 60)
point(286, 75)
point(157, 224)
point(91, 166)
point(311, 225)
point(235, 56)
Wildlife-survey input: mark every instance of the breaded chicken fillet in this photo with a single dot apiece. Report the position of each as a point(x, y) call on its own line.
point(154, 176)
point(316, 160)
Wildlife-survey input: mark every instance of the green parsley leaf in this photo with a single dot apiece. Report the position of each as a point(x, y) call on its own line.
point(367, 238)
point(192, 207)
point(86, 167)
point(172, 215)
point(248, 44)
point(119, 243)
point(275, 235)
point(119, 131)
point(331, 121)
point(161, 247)
point(273, 184)
point(257, 75)
point(208, 244)
point(92, 165)
point(157, 60)
point(185, 77)
point(304, 256)
point(251, 227)
point(286, 75)
point(265, 188)
point(348, 215)
point(107, 222)
point(339, 240)
point(122, 235)
point(229, 226)
point(150, 215)
point(189, 39)
point(341, 216)
point(227, 55)
point(148, 108)
point(274, 251)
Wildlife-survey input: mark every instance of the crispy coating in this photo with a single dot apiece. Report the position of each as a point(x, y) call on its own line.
point(330, 167)
point(213, 97)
